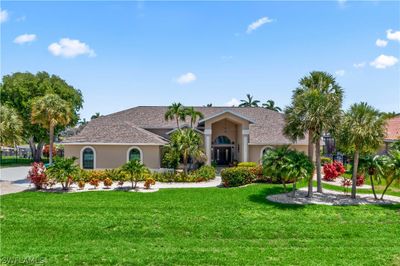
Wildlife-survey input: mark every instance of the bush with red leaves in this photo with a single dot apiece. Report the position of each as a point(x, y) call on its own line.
point(333, 170)
point(37, 175)
point(360, 180)
point(46, 150)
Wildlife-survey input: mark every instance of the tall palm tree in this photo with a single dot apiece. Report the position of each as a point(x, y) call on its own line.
point(187, 143)
point(315, 110)
point(362, 130)
point(50, 111)
point(270, 105)
point(10, 127)
point(249, 102)
point(176, 111)
point(194, 115)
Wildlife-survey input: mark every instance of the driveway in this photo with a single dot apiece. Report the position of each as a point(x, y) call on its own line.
point(13, 179)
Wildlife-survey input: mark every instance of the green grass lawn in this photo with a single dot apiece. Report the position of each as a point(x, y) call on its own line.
point(212, 226)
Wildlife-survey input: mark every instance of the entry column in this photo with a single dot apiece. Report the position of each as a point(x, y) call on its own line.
point(207, 135)
point(245, 144)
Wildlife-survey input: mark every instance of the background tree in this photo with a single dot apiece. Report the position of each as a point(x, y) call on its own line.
point(176, 111)
point(20, 89)
point(389, 115)
point(10, 127)
point(187, 143)
point(194, 115)
point(270, 105)
point(371, 166)
point(362, 130)
point(135, 170)
point(315, 109)
point(96, 115)
point(249, 102)
point(50, 111)
point(391, 169)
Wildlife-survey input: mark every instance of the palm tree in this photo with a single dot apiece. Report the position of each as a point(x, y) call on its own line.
point(390, 169)
point(63, 170)
point(315, 109)
point(96, 115)
point(194, 115)
point(10, 127)
point(50, 111)
point(362, 130)
point(270, 105)
point(371, 166)
point(176, 112)
point(209, 105)
point(135, 170)
point(187, 143)
point(298, 166)
point(249, 102)
point(274, 164)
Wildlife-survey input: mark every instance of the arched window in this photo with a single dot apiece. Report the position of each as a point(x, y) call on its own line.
point(265, 150)
point(134, 153)
point(222, 140)
point(88, 158)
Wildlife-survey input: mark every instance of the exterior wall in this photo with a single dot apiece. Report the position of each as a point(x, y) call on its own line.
point(255, 151)
point(218, 129)
point(113, 156)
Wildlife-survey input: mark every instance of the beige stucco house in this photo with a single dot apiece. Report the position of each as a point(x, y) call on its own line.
point(230, 134)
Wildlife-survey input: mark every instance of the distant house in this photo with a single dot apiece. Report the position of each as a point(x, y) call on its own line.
point(229, 134)
point(392, 131)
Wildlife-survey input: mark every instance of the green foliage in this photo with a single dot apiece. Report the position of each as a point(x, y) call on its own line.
point(204, 173)
point(10, 127)
point(270, 105)
point(247, 164)
point(194, 115)
point(325, 160)
point(19, 90)
point(135, 171)
point(177, 112)
point(63, 170)
point(237, 176)
point(170, 157)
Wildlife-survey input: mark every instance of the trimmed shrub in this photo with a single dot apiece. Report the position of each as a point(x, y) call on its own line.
point(333, 170)
point(204, 173)
point(81, 184)
point(237, 176)
point(149, 182)
point(37, 175)
point(247, 164)
point(107, 182)
point(94, 182)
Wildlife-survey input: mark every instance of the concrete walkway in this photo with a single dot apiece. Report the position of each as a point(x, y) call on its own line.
point(13, 179)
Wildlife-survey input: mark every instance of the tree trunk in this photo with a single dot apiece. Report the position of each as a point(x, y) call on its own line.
point(372, 186)
point(36, 150)
point(51, 144)
point(354, 177)
point(284, 184)
point(185, 164)
point(294, 189)
point(387, 186)
point(318, 165)
point(311, 157)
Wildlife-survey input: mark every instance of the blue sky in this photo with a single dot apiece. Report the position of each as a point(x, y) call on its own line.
point(124, 54)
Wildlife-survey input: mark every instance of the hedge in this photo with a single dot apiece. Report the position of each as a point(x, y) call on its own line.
point(237, 176)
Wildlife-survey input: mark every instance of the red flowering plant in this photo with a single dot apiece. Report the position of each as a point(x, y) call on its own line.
point(37, 175)
point(46, 151)
point(360, 180)
point(333, 170)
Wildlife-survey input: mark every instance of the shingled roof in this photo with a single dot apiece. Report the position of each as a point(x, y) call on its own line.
point(393, 129)
point(133, 125)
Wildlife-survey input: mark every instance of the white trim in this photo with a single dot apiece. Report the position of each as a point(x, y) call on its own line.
point(96, 143)
point(245, 131)
point(263, 148)
point(207, 131)
point(134, 147)
point(94, 156)
point(224, 112)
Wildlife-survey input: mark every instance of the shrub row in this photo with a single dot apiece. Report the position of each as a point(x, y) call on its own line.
point(237, 176)
point(204, 173)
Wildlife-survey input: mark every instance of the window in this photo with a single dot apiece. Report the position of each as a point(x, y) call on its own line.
point(222, 140)
point(265, 150)
point(88, 158)
point(134, 153)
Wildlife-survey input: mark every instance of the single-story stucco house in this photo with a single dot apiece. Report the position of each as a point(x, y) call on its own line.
point(229, 134)
point(392, 132)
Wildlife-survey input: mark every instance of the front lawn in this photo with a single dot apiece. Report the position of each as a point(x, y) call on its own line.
point(195, 226)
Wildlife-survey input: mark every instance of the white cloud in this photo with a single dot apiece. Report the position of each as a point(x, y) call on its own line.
point(258, 23)
point(70, 48)
point(340, 72)
point(384, 61)
point(3, 16)
point(20, 19)
point(24, 38)
point(359, 65)
point(233, 102)
point(186, 78)
point(393, 35)
point(381, 43)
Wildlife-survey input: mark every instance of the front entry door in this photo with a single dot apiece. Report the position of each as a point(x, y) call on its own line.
point(222, 155)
